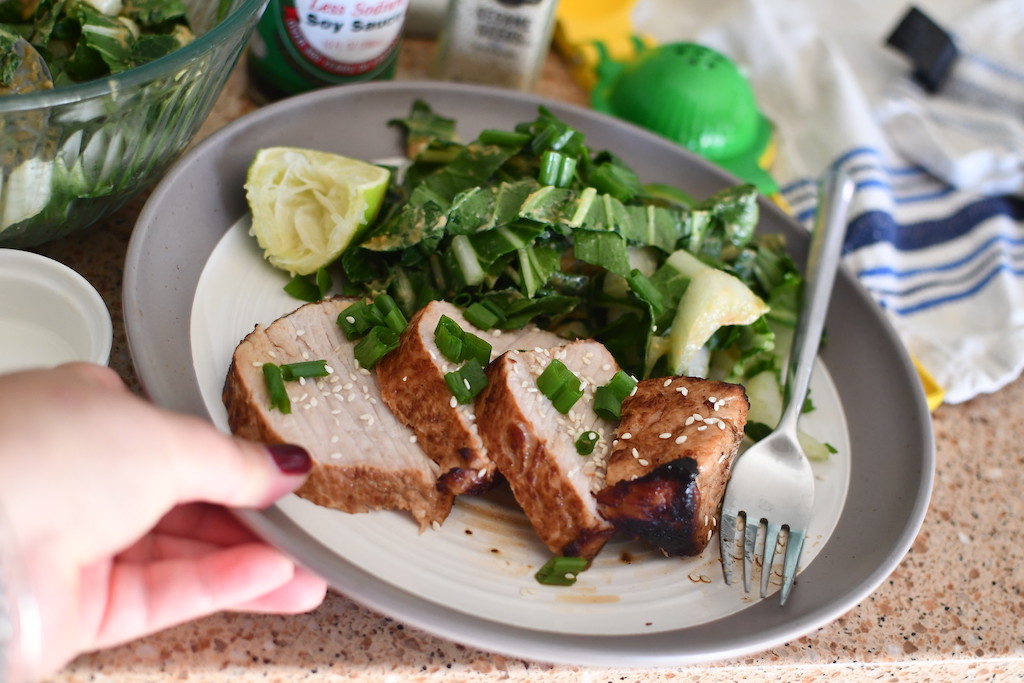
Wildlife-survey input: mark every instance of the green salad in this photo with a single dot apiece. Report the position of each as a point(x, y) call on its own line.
point(81, 40)
point(530, 225)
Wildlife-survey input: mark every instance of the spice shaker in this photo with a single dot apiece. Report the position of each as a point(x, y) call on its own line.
point(300, 45)
point(498, 42)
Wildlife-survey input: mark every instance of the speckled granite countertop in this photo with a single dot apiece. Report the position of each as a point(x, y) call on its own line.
point(952, 611)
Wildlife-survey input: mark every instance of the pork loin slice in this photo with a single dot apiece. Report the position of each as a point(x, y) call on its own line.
point(412, 384)
point(671, 460)
point(534, 446)
point(364, 458)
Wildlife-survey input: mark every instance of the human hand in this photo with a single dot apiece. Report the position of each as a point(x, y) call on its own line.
point(117, 510)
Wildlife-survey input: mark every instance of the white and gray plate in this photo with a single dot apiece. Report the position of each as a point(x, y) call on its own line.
point(195, 284)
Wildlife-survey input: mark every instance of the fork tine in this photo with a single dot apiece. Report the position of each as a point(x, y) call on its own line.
point(727, 544)
point(749, 545)
point(794, 546)
point(771, 539)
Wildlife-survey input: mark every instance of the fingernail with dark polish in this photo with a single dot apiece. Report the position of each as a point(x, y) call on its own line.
point(291, 459)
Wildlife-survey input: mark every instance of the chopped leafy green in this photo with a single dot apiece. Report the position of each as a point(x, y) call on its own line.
point(531, 225)
point(81, 41)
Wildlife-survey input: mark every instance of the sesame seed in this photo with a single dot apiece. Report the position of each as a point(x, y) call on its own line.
point(665, 435)
point(405, 379)
point(683, 390)
point(435, 525)
point(305, 355)
point(336, 456)
point(257, 364)
point(302, 381)
point(453, 402)
point(667, 382)
point(606, 367)
point(681, 438)
point(350, 320)
point(412, 439)
point(702, 428)
point(626, 436)
point(335, 439)
point(633, 392)
point(636, 453)
point(643, 463)
point(299, 333)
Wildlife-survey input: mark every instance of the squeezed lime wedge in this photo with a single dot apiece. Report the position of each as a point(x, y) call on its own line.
point(308, 206)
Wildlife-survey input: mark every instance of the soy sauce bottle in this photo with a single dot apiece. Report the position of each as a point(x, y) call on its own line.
point(301, 45)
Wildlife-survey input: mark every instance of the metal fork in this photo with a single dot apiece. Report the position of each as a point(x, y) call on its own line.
point(772, 483)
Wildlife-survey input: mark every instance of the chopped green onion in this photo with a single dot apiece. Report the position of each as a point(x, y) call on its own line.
point(556, 169)
point(484, 314)
point(560, 571)
point(309, 368)
point(586, 441)
point(475, 348)
point(560, 385)
point(275, 388)
point(457, 345)
point(389, 312)
point(377, 343)
point(356, 320)
point(448, 337)
point(466, 382)
point(608, 398)
point(504, 138)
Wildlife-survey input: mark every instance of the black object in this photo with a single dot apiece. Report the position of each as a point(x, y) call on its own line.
point(930, 48)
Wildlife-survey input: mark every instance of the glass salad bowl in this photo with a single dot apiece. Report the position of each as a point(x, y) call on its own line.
point(75, 154)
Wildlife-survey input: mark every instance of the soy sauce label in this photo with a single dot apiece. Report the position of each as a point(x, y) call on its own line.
point(344, 38)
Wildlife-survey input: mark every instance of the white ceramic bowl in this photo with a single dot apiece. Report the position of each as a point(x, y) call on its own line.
point(49, 314)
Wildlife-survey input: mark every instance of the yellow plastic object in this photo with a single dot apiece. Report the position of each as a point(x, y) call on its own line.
point(585, 28)
point(933, 393)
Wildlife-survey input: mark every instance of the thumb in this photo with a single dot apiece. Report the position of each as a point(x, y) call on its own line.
point(235, 472)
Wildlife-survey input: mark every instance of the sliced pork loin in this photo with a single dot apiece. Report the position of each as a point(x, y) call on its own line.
point(534, 446)
point(672, 459)
point(412, 384)
point(364, 458)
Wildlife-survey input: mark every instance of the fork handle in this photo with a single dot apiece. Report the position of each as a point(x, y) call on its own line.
point(823, 259)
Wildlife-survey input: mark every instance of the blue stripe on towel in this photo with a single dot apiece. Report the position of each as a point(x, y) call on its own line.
point(956, 296)
point(877, 226)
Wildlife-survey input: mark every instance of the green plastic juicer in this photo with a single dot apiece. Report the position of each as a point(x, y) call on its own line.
point(696, 97)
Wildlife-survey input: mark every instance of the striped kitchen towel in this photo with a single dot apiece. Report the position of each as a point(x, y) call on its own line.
point(937, 229)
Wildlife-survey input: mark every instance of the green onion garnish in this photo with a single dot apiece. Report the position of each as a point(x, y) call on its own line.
point(390, 313)
point(586, 441)
point(309, 368)
point(448, 337)
point(560, 571)
point(356, 320)
point(466, 382)
point(556, 169)
point(504, 138)
point(377, 343)
point(475, 348)
point(560, 385)
point(608, 398)
point(484, 315)
point(275, 387)
point(457, 345)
